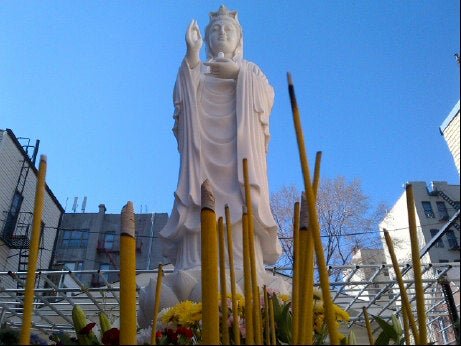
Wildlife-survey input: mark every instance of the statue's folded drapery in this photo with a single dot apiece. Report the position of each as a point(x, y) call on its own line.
point(218, 123)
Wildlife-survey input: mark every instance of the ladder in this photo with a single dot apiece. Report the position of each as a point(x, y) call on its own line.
point(452, 203)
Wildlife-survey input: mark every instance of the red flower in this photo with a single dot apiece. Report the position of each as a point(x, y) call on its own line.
point(158, 334)
point(111, 337)
point(172, 335)
point(87, 329)
point(187, 332)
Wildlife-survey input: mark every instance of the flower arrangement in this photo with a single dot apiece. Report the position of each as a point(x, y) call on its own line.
point(182, 324)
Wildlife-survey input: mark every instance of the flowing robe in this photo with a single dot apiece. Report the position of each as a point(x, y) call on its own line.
point(218, 122)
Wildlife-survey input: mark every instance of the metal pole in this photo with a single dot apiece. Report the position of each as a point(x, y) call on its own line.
point(453, 313)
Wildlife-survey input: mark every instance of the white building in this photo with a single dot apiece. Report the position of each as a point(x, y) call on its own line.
point(437, 222)
point(18, 179)
point(366, 261)
point(450, 131)
point(437, 225)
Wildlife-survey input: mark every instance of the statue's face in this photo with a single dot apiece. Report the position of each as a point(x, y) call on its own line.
point(223, 37)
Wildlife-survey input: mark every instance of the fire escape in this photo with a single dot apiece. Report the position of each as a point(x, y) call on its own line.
point(112, 252)
point(17, 225)
point(455, 205)
point(452, 221)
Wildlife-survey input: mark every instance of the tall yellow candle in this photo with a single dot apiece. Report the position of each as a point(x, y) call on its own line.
point(209, 246)
point(158, 291)
point(314, 222)
point(222, 281)
point(230, 251)
point(33, 253)
point(420, 306)
point(128, 277)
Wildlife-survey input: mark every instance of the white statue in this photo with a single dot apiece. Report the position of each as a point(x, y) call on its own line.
point(222, 109)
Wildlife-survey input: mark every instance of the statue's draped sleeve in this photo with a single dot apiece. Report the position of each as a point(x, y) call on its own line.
point(187, 132)
point(255, 98)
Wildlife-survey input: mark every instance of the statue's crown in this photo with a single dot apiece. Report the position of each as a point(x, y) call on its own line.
point(224, 12)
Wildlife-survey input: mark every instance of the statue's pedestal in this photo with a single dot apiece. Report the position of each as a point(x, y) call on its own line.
point(187, 285)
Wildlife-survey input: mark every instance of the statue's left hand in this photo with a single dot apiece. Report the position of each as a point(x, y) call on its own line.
point(223, 68)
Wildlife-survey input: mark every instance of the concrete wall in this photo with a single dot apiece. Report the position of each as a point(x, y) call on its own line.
point(11, 159)
point(450, 131)
point(95, 254)
point(396, 222)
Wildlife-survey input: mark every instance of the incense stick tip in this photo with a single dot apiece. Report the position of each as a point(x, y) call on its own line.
point(290, 79)
point(208, 199)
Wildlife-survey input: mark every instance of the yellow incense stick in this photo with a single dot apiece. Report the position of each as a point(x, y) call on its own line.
point(307, 278)
point(249, 340)
point(296, 274)
point(403, 292)
point(128, 277)
point(368, 326)
point(303, 247)
point(230, 251)
point(309, 266)
point(33, 253)
point(420, 306)
point(254, 277)
point(406, 327)
point(222, 281)
point(158, 291)
point(316, 180)
point(272, 321)
point(267, 332)
point(209, 246)
point(314, 222)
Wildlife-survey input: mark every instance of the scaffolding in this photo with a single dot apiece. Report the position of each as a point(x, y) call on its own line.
point(57, 291)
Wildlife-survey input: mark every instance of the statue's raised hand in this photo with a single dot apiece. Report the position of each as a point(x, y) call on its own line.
point(194, 43)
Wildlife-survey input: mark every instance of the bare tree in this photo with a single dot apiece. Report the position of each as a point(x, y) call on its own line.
point(347, 221)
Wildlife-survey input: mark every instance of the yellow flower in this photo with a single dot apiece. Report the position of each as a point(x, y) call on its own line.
point(186, 313)
point(318, 306)
point(317, 294)
point(284, 297)
point(341, 315)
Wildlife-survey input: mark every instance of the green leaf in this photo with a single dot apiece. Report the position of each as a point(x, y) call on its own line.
point(383, 339)
point(387, 328)
point(397, 327)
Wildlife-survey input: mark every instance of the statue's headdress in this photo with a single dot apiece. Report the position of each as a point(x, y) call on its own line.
point(224, 13)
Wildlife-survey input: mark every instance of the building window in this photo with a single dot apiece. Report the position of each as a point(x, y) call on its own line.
point(12, 217)
point(442, 209)
point(428, 209)
point(109, 239)
point(438, 243)
point(103, 267)
point(452, 241)
point(73, 265)
point(75, 239)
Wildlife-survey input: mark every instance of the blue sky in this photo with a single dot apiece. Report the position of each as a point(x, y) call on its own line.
point(93, 81)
